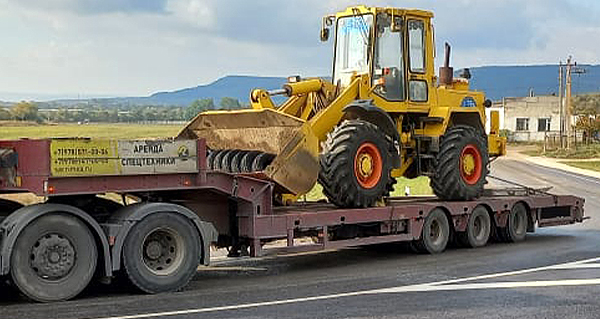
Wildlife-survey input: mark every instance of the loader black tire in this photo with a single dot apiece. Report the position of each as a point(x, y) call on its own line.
point(161, 253)
point(236, 162)
point(261, 161)
point(478, 229)
point(227, 160)
point(210, 159)
point(345, 181)
point(216, 161)
point(435, 234)
point(247, 160)
point(54, 258)
point(454, 180)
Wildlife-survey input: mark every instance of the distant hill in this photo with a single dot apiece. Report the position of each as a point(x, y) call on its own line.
point(496, 81)
point(515, 81)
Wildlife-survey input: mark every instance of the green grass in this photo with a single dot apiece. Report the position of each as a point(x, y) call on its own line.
point(591, 165)
point(581, 152)
point(121, 131)
point(418, 186)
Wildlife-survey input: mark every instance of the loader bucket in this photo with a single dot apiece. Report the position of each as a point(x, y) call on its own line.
point(296, 147)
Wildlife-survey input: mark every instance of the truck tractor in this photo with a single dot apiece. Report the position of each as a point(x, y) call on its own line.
point(384, 114)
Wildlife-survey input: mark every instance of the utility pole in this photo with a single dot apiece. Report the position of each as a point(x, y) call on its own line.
point(561, 105)
point(568, 107)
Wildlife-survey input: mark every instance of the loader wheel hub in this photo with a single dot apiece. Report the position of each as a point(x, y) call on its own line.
point(471, 166)
point(368, 165)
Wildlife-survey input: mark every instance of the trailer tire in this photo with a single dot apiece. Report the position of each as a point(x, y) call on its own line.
point(356, 165)
point(54, 258)
point(461, 166)
point(478, 229)
point(435, 234)
point(161, 253)
point(516, 225)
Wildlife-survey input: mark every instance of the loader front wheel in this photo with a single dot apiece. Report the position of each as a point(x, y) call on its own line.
point(461, 165)
point(356, 165)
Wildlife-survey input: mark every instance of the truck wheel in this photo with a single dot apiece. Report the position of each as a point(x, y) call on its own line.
point(435, 233)
point(54, 258)
point(356, 165)
point(461, 165)
point(478, 229)
point(516, 226)
point(161, 253)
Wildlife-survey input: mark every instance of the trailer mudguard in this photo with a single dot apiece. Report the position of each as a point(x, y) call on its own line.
point(16, 222)
point(128, 216)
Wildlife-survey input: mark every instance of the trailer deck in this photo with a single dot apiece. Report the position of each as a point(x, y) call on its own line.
point(231, 210)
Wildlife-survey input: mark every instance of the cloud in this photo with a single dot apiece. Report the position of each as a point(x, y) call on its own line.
point(92, 7)
point(130, 47)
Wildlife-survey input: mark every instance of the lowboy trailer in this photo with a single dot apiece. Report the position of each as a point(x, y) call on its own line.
point(173, 209)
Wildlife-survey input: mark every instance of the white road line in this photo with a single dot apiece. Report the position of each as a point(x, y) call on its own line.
point(448, 285)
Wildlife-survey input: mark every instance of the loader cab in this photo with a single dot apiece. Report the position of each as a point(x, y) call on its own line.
point(394, 46)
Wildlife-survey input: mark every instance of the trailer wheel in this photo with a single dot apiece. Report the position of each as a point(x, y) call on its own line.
point(461, 165)
point(161, 253)
point(54, 258)
point(435, 234)
point(356, 165)
point(478, 229)
point(516, 226)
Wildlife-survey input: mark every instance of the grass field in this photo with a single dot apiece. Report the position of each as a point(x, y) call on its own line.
point(591, 165)
point(581, 152)
point(419, 186)
point(90, 130)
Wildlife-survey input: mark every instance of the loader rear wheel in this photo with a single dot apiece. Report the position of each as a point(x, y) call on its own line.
point(356, 165)
point(461, 165)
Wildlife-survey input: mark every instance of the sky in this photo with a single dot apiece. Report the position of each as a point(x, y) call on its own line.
point(84, 48)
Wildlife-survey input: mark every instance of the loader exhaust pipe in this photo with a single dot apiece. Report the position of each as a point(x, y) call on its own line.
point(446, 72)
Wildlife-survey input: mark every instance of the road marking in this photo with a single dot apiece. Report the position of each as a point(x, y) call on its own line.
point(447, 285)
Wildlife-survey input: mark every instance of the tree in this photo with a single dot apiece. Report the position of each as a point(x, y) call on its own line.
point(199, 106)
point(229, 103)
point(587, 109)
point(25, 111)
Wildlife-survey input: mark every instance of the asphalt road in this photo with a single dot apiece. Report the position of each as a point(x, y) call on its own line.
point(558, 276)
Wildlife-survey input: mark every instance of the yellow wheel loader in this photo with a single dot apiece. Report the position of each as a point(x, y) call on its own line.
point(384, 114)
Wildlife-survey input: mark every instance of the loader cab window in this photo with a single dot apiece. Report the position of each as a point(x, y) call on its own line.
point(388, 66)
point(416, 42)
point(352, 46)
